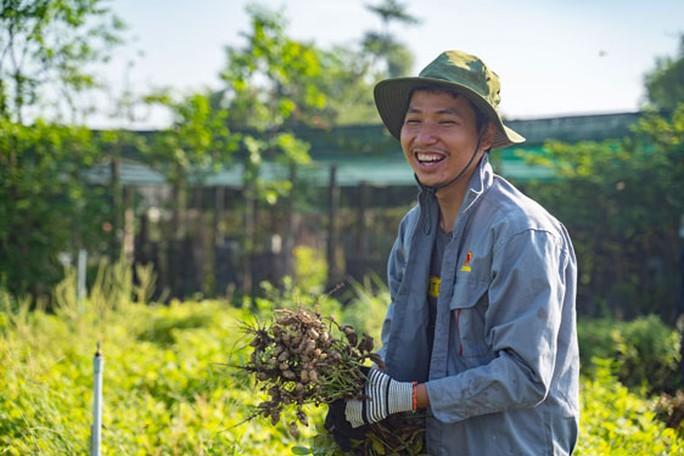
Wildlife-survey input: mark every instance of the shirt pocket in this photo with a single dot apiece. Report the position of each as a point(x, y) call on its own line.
point(468, 306)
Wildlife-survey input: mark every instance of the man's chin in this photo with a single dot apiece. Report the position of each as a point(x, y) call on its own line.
point(430, 181)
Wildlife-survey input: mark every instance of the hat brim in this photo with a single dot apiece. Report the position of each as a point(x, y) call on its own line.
point(392, 99)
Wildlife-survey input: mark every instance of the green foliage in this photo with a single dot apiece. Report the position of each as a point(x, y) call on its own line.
point(633, 189)
point(271, 81)
point(645, 351)
point(311, 269)
point(197, 144)
point(51, 43)
point(270, 85)
point(168, 384)
point(46, 205)
point(284, 148)
point(665, 83)
point(162, 328)
point(615, 421)
point(650, 353)
point(390, 55)
point(169, 387)
point(392, 10)
point(47, 49)
point(347, 81)
point(291, 295)
point(368, 305)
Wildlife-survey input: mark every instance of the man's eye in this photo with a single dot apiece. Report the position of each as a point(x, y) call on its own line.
point(412, 121)
point(447, 122)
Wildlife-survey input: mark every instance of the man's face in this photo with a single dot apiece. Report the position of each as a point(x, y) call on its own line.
point(439, 136)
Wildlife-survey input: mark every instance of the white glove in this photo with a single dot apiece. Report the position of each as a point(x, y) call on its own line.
point(384, 397)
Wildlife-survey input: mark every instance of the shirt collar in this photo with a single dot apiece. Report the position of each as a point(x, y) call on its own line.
point(481, 180)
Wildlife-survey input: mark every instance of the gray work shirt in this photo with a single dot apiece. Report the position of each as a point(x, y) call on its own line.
point(502, 375)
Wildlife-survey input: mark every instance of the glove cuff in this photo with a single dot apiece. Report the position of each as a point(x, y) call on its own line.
point(400, 397)
point(353, 413)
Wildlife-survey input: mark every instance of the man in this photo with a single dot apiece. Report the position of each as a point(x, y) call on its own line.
point(481, 330)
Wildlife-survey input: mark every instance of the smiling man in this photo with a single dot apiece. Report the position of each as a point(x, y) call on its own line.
point(481, 330)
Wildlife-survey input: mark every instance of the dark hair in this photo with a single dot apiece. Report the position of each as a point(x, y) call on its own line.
point(481, 119)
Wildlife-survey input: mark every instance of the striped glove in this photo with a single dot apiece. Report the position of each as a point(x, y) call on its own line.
point(383, 397)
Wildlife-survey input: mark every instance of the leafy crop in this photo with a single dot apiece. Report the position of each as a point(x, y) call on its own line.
point(618, 422)
point(645, 351)
point(168, 388)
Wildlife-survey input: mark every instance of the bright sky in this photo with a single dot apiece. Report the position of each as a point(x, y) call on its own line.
point(554, 57)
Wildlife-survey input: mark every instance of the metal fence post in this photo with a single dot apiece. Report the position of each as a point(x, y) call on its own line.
point(96, 429)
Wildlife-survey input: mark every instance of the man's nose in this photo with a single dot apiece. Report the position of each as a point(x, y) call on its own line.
point(426, 134)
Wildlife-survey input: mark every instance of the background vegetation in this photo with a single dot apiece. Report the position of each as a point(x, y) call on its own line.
point(170, 385)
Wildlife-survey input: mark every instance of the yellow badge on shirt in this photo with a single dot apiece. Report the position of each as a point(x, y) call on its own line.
point(433, 288)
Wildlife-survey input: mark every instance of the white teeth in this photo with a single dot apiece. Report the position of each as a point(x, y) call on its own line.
point(429, 157)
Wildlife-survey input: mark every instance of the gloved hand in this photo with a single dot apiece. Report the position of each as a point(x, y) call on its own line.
point(383, 397)
point(342, 432)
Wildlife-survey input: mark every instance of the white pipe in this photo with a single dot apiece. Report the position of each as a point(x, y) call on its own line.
point(96, 430)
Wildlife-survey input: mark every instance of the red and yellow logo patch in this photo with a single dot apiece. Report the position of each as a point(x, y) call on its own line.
point(466, 264)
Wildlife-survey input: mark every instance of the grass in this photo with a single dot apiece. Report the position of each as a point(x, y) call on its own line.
point(169, 387)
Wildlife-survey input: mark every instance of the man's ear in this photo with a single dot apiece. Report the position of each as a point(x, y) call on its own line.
point(487, 136)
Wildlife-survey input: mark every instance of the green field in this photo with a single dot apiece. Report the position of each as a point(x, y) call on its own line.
point(169, 387)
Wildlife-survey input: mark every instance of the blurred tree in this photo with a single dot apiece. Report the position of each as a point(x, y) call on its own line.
point(665, 83)
point(197, 145)
point(272, 84)
point(393, 57)
point(622, 201)
point(272, 81)
point(46, 49)
point(665, 88)
point(347, 81)
point(198, 142)
point(46, 206)
point(347, 73)
point(391, 10)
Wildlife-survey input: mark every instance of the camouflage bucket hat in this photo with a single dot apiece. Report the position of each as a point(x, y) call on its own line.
point(454, 71)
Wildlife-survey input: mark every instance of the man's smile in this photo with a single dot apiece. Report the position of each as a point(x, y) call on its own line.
point(429, 158)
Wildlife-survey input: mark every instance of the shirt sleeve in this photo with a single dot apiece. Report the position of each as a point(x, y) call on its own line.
point(522, 322)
